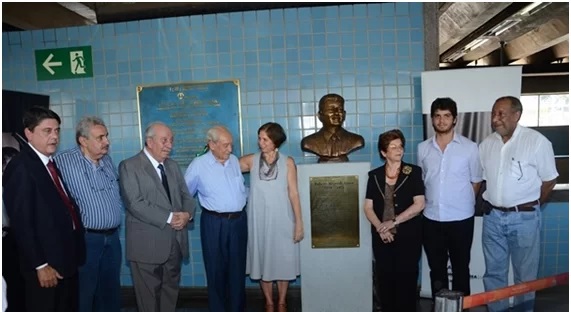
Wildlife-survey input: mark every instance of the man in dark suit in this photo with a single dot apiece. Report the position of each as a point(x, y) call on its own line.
point(44, 218)
point(10, 260)
point(158, 208)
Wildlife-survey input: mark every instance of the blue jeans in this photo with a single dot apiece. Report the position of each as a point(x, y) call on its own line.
point(99, 282)
point(515, 235)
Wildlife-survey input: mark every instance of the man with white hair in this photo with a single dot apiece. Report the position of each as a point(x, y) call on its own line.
point(217, 179)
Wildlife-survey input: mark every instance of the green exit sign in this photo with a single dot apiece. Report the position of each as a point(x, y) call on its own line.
point(65, 63)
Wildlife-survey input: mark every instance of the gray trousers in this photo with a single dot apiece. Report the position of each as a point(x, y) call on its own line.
point(156, 285)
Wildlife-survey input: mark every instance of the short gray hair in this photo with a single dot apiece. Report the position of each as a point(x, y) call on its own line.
point(514, 102)
point(150, 130)
point(213, 134)
point(84, 126)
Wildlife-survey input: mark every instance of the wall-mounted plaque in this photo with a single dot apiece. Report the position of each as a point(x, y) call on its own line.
point(190, 109)
point(334, 208)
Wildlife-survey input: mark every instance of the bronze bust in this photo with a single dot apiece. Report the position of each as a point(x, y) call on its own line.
point(332, 143)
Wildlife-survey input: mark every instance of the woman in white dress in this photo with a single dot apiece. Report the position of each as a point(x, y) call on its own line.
point(274, 216)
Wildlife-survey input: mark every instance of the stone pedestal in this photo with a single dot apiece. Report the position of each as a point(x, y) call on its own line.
point(335, 278)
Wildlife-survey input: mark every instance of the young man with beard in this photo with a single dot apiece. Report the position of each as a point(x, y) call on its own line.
point(452, 174)
point(93, 181)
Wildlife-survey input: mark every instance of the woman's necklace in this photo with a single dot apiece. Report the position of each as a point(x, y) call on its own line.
point(389, 176)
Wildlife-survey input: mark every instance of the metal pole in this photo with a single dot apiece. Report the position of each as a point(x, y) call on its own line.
point(502, 49)
point(448, 301)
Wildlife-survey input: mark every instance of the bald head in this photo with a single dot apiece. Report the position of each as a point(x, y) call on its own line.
point(215, 132)
point(159, 141)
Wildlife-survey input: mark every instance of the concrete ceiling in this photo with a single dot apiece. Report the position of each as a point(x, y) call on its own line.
point(470, 33)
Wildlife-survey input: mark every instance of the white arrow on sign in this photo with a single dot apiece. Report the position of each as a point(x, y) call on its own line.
point(48, 65)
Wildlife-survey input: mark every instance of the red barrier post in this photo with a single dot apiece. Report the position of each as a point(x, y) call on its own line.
point(514, 290)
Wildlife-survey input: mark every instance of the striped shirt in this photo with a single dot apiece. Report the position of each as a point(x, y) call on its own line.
point(95, 188)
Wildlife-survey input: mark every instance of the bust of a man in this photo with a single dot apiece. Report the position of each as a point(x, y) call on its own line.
point(332, 143)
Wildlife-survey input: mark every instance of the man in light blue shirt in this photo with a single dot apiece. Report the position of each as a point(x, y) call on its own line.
point(452, 175)
point(92, 179)
point(217, 179)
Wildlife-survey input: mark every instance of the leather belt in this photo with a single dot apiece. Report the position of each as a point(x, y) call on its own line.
point(226, 215)
point(104, 231)
point(529, 206)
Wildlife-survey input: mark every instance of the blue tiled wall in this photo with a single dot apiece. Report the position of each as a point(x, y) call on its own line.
point(371, 54)
point(554, 240)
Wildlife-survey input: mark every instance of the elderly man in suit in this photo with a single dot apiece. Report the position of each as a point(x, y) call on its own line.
point(44, 219)
point(158, 208)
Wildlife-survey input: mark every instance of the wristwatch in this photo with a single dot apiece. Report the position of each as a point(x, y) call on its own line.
point(395, 222)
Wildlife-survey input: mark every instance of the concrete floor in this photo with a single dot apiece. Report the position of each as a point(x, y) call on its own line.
point(548, 300)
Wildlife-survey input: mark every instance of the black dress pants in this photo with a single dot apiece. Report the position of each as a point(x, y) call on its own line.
point(397, 267)
point(62, 298)
point(15, 289)
point(448, 239)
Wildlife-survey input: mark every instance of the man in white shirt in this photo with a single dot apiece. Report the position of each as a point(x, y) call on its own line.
point(519, 169)
point(452, 174)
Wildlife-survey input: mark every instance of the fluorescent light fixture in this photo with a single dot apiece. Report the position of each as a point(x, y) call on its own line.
point(502, 27)
point(475, 44)
point(456, 55)
point(532, 6)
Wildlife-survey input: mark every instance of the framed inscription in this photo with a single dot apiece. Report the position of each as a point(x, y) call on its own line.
point(334, 204)
point(190, 109)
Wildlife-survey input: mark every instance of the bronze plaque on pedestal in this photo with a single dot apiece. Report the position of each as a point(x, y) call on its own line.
point(334, 211)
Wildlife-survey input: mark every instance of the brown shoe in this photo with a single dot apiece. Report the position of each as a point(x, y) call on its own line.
point(269, 308)
point(282, 307)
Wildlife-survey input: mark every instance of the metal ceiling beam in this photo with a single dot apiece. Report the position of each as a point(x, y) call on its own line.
point(484, 28)
point(543, 29)
point(561, 50)
point(495, 58)
point(462, 18)
point(546, 56)
point(36, 15)
point(109, 12)
point(443, 6)
point(545, 36)
point(82, 10)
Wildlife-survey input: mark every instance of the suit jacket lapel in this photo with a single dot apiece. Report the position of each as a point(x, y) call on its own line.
point(152, 172)
point(43, 176)
point(401, 178)
point(380, 181)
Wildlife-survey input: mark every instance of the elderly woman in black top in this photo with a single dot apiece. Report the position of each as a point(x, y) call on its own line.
point(394, 200)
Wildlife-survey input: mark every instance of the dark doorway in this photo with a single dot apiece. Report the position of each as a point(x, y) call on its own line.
point(14, 104)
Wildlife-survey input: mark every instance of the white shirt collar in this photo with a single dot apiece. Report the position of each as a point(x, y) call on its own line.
point(154, 162)
point(517, 130)
point(45, 159)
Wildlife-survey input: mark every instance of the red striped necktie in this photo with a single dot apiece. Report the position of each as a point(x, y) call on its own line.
point(54, 173)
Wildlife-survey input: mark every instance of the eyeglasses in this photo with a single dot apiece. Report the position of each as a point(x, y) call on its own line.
point(395, 147)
